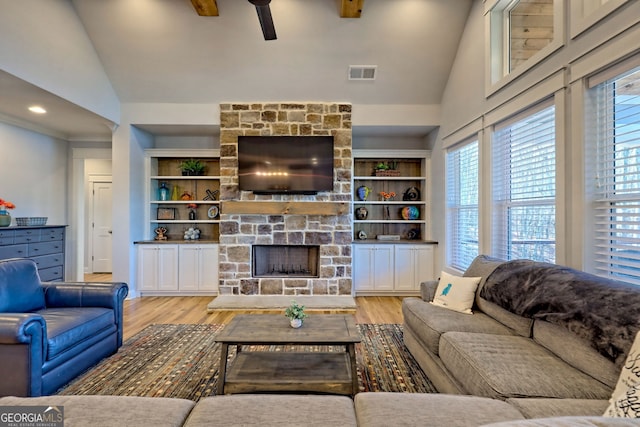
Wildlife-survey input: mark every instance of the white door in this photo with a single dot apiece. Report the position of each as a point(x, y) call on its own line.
point(101, 254)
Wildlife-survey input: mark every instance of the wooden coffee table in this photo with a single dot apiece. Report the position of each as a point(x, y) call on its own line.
point(278, 371)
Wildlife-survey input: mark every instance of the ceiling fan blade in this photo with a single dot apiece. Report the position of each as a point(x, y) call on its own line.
point(266, 21)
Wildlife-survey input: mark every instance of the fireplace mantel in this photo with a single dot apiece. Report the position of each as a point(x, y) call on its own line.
point(283, 208)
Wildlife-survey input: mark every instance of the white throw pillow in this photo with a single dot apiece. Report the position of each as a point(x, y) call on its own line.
point(627, 405)
point(456, 293)
point(628, 384)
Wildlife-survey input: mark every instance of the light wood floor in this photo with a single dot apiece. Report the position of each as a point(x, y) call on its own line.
point(141, 312)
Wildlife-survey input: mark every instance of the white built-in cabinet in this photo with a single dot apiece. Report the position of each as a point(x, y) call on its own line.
point(158, 268)
point(172, 269)
point(373, 267)
point(199, 268)
point(389, 268)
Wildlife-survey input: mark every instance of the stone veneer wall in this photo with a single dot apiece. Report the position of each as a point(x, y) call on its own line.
point(239, 232)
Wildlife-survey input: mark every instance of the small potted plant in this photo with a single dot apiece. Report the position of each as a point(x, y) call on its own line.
point(191, 167)
point(295, 313)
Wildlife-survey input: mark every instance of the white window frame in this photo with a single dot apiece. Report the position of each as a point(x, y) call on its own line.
point(502, 184)
point(459, 256)
point(584, 14)
point(497, 74)
point(615, 234)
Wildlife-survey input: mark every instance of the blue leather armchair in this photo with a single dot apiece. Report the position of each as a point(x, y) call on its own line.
point(52, 332)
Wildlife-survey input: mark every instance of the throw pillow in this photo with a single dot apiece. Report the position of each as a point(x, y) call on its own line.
point(456, 293)
point(627, 405)
point(630, 373)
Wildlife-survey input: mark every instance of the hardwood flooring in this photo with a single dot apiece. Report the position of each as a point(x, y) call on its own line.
point(141, 312)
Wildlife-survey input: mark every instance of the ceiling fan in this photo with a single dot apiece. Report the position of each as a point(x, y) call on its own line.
point(266, 21)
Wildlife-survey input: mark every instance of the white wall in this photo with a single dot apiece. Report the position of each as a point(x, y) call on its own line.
point(33, 174)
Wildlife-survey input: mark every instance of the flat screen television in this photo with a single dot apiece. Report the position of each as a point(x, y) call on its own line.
point(285, 164)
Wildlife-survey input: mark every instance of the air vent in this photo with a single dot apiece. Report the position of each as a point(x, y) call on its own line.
point(362, 72)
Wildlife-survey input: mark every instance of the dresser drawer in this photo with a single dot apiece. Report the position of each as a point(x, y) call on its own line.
point(13, 251)
point(6, 236)
point(45, 248)
point(51, 274)
point(27, 236)
point(46, 261)
point(50, 234)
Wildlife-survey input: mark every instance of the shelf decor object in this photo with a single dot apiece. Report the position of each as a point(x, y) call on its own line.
point(410, 212)
point(363, 192)
point(166, 214)
point(5, 218)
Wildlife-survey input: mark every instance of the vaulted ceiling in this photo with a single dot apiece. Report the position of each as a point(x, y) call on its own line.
point(163, 51)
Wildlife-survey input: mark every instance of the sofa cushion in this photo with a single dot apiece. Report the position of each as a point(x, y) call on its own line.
point(67, 327)
point(433, 410)
point(603, 312)
point(273, 410)
point(575, 351)
point(109, 411)
point(568, 422)
point(482, 266)
point(542, 408)
point(456, 293)
point(428, 322)
point(522, 326)
point(503, 366)
point(20, 288)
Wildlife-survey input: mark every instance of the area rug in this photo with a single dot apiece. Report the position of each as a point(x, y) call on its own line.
point(181, 360)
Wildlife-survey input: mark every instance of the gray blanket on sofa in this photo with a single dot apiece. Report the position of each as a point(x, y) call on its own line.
point(603, 311)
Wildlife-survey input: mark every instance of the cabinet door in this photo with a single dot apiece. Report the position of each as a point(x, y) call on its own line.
point(414, 264)
point(362, 267)
point(189, 267)
point(148, 267)
point(383, 266)
point(208, 268)
point(167, 267)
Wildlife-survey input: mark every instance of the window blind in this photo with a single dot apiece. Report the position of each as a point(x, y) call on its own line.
point(524, 187)
point(617, 192)
point(462, 204)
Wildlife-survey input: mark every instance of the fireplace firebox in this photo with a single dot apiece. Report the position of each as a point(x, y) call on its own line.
point(285, 260)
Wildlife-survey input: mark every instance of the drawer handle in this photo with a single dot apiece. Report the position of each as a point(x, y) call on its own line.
point(19, 252)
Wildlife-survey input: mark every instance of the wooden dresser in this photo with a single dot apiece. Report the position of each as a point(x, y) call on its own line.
point(43, 244)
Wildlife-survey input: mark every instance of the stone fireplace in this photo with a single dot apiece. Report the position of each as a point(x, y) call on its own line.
point(319, 225)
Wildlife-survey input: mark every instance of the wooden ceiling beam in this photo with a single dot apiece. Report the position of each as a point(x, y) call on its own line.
point(205, 7)
point(351, 8)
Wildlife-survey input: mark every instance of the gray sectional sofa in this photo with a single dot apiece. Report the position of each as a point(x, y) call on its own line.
point(267, 410)
point(542, 337)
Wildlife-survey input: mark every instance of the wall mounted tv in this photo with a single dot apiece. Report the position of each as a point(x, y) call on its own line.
point(285, 164)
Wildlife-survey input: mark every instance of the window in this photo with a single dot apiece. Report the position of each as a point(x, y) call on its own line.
point(524, 187)
point(462, 205)
point(617, 181)
point(521, 34)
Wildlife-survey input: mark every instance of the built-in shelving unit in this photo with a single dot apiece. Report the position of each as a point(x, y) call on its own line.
point(173, 214)
point(391, 266)
point(384, 215)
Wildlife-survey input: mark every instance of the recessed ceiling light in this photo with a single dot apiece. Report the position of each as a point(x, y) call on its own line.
point(37, 109)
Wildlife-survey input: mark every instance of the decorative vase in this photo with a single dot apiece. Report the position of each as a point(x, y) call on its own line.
point(5, 219)
point(295, 323)
point(362, 213)
point(410, 212)
point(363, 192)
point(163, 192)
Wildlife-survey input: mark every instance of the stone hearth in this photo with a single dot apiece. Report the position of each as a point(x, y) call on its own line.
point(332, 234)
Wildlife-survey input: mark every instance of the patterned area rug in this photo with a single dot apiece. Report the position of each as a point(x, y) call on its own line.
point(172, 360)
